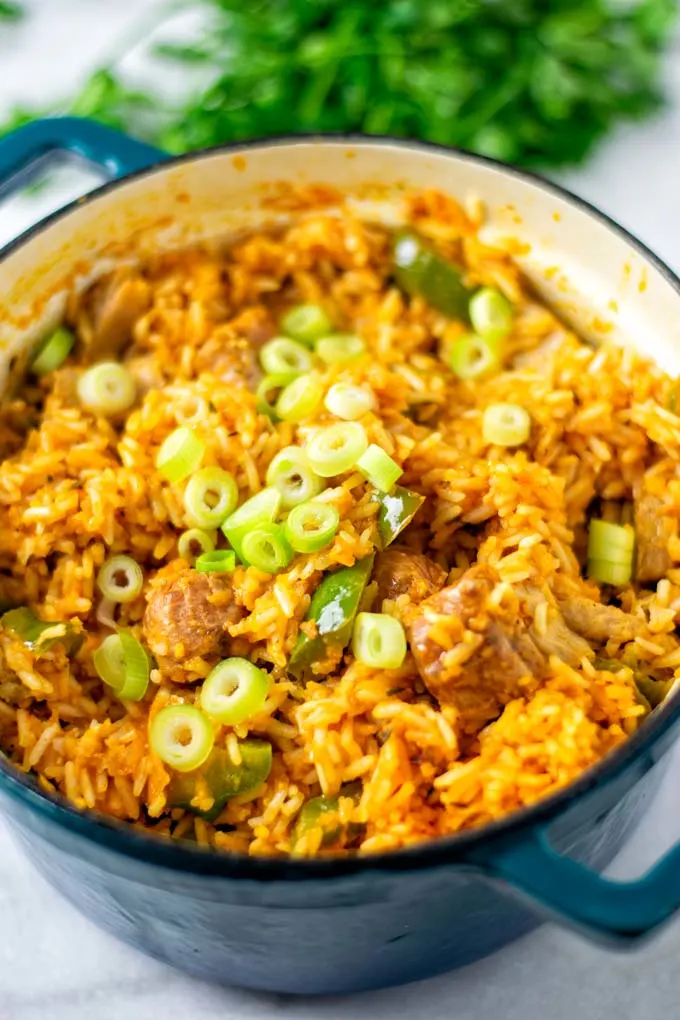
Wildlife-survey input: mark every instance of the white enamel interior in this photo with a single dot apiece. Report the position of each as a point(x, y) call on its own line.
point(589, 271)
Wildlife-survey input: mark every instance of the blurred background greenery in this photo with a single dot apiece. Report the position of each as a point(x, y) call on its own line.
point(532, 82)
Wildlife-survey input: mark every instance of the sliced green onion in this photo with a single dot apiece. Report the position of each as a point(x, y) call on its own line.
point(490, 314)
point(337, 448)
point(291, 474)
point(306, 323)
point(340, 347)
point(300, 398)
point(262, 508)
point(235, 690)
point(378, 641)
point(107, 388)
point(269, 391)
point(266, 547)
point(349, 402)
point(210, 496)
point(472, 357)
point(378, 468)
point(506, 425)
point(182, 736)
point(180, 454)
point(120, 579)
point(609, 573)
point(220, 561)
point(311, 526)
point(136, 668)
point(194, 543)
point(612, 542)
point(53, 351)
point(122, 663)
point(281, 356)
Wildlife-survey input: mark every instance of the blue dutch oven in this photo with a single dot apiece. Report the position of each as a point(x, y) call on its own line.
point(345, 924)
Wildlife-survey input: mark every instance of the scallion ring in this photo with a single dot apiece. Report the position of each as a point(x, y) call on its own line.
point(337, 448)
point(379, 469)
point(349, 402)
point(300, 398)
point(266, 548)
point(122, 663)
point(490, 314)
point(120, 579)
point(269, 391)
point(378, 641)
point(506, 425)
point(339, 348)
point(210, 497)
point(472, 357)
point(282, 356)
point(311, 526)
point(180, 454)
point(234, 691)
point(194, 543)
point(609, 541)
point(306, 323)
point(219, 561)
point(53, 351)
point(107, 388)
point(262, 508)
point(182, 736)
point(290, 472)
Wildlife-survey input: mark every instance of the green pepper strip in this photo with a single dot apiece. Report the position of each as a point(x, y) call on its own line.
point(650, 692)
point(320, 811)
point(41, 635)
point(222, 778)
point(333, 607)
point(397, 510)
point(420, 272)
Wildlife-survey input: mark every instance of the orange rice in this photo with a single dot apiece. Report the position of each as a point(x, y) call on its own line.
point(76, 489)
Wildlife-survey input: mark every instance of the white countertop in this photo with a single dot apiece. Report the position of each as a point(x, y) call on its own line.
point(54, 965)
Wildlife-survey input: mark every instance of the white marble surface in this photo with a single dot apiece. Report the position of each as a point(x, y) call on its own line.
point(54, 965)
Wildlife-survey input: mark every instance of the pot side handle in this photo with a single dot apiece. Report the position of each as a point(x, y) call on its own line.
point(603, 909)
point(23, 150)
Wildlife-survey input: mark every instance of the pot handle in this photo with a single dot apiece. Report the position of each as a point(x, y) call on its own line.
point(116, 153)
point(601, 908)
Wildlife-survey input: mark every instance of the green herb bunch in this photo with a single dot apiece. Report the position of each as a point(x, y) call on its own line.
point(533, 82)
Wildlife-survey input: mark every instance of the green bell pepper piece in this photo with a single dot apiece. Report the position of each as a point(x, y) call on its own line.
point(222, 777)
point(41, 635)
point(420, 272)
point(396, 511)
point(333, 608)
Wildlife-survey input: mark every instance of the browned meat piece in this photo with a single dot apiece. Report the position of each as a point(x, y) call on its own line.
point(231, 352)
point(187, 614)
point(653, 530)
point(553, 636)
point(398, 572)
point(597, 622)
point(464, 646)
point(111, 308)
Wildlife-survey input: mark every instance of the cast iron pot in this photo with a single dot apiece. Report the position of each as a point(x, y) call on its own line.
point(341, 925)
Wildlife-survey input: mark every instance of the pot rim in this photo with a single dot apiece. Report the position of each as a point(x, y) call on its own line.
point(122, 837)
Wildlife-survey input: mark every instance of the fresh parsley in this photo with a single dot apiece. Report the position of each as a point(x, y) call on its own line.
point(526, 81)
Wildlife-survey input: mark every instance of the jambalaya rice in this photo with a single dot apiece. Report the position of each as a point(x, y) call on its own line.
point(521, 670)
